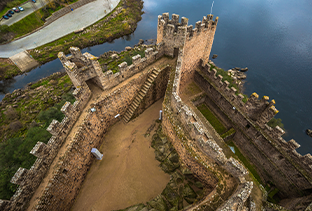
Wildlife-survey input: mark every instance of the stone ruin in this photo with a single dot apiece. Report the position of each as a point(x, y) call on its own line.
point(199, 151)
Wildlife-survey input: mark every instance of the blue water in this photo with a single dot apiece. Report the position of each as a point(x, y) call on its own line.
point(271, 38)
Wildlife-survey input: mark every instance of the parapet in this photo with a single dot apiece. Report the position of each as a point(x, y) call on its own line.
point(184, 120)
point(29, 180)
point(253, 118)
point(173, 26)
point(125, 71)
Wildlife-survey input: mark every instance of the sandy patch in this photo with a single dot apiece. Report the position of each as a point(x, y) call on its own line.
point(128, 174)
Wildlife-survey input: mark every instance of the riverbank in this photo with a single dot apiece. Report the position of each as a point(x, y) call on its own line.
point(121, 21)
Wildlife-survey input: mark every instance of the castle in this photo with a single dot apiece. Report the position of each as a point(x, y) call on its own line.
point(275, 159)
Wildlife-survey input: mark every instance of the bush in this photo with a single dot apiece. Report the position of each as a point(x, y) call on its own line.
point(11, 114)
point(276, 122)
point(15, 126)
point(48, 115)
point(14, 153)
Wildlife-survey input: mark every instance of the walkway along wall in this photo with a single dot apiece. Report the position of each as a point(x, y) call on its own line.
point(57, 193)
point(29, 180)
point(68, 177)
point(201, 153)
point(275, 159)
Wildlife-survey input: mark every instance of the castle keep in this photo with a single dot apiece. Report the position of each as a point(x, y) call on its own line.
point(199, 148)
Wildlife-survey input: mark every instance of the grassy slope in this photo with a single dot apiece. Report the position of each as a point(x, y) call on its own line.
point(33, 112)
point(8, 70)
point(28, 24)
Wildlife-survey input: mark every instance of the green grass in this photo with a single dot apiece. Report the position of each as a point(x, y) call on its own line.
point(214, 121)
point(27, 24)
point(228, 133)
point(8, 70)
point(276, 122)
point(123, 57)
point(245, 161)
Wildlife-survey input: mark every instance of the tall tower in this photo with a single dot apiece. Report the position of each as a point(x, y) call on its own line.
point(196, 43)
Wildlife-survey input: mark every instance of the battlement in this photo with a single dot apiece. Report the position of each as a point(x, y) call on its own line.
point(29, 180)
point(126, 71)
point(176, 111)
point(174, 34)
point(252, 118)
point(82, 67)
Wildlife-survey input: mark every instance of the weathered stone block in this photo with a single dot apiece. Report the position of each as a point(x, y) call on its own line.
point(40, 150)
point(19, 176)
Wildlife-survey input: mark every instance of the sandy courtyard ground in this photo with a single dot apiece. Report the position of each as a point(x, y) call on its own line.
point(128, 174)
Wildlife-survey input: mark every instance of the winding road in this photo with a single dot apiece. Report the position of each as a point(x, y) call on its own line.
point(77, 19)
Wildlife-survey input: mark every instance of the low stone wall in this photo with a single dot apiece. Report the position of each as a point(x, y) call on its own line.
point(276, 160)
point(29, 180)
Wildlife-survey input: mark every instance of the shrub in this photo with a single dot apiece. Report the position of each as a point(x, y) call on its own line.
point(276, 122)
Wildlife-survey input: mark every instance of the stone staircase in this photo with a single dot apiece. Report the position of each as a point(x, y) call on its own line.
point(137, 100)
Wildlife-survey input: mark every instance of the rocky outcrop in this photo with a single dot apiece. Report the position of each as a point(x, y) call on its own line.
point(309, 132)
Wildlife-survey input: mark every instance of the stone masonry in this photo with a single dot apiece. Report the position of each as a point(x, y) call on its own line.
point(225, 177)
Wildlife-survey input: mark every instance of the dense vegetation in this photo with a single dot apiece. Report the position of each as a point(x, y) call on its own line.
point(23, 121)
point(276, 122)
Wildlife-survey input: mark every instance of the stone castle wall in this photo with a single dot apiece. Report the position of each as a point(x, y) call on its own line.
point(197, 46)
point(68, 177)
point(207, 162)
point(82, 67)
point(196, 43)
point(276, 160)
point(29, 180)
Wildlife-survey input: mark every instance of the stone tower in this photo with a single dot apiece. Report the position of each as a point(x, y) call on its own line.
point(82, 67)
point(196, 43)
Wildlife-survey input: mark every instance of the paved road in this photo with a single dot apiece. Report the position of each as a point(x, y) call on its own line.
point(77, 19)
point(29, 8)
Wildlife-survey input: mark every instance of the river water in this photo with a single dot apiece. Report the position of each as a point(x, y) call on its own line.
point(271, 37)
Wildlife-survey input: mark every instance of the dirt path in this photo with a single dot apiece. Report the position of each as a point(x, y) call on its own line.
point(96, 94)
point(129, 173)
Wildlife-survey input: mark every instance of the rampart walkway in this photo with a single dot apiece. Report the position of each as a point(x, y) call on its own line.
point(96, 94)
point(77, 19)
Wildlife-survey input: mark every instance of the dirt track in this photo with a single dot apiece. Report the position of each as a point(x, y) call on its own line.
point(128, 173)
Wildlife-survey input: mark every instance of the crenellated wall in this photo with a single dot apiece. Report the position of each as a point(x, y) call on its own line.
point(224, 178)
point(91, 69)
point(29, 180)
point(276, 160)
point(71, 171)
point(199, 151)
